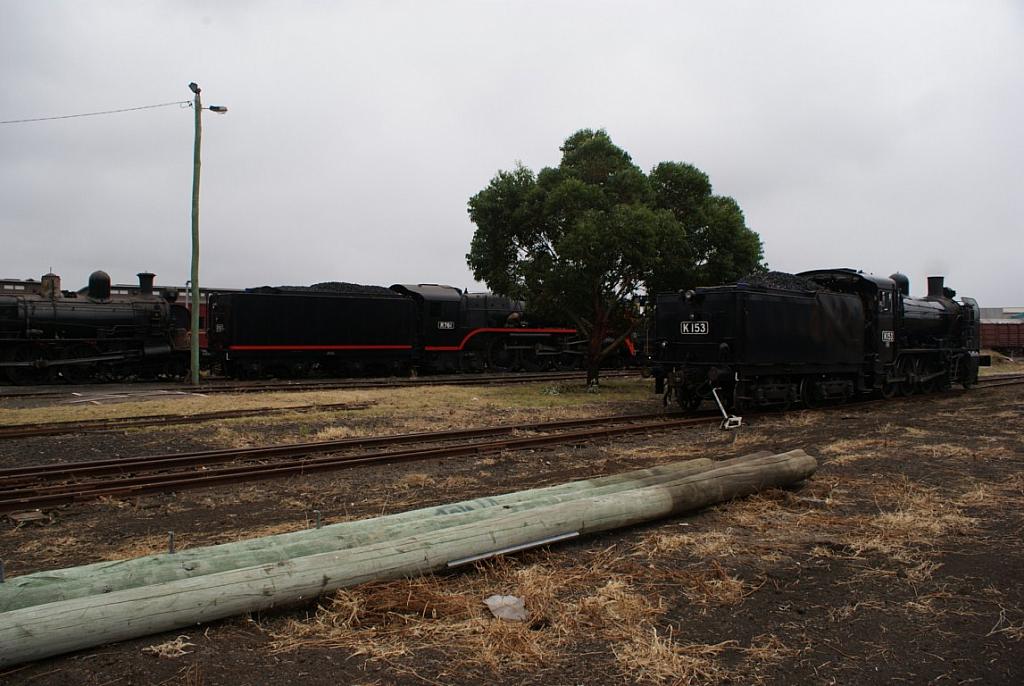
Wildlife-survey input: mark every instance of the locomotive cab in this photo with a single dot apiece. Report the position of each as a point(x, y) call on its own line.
point(473, 332)
point(438, 307)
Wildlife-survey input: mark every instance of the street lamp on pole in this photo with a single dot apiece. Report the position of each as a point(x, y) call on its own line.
point(194, 328)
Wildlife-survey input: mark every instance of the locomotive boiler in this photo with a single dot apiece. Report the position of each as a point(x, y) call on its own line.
point(818, 336)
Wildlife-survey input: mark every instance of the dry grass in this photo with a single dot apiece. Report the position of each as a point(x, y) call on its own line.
point(847, 450)
point(403, 408)
point(945, 450)
point(797, 420)
point(848, 612)
point(387, 620)
point(570, 602)
point(657, 658)
point(912, 522)
point(415, 480)
point(334, 433)
point(704, 545)
point(170, 649)
point(184, 404)
point(56, 548)
point(712, 586)
point(919, 514)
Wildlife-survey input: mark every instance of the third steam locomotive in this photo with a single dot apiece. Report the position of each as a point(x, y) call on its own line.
point(819, 336)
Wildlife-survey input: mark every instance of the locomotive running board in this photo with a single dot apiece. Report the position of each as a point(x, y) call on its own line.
point(729, 421)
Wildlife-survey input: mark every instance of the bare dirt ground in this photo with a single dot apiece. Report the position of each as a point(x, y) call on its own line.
point(901, 560)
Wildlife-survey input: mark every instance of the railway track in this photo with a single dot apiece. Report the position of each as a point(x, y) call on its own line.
point(50, 485)
point(84, 392)
point(1000, 380)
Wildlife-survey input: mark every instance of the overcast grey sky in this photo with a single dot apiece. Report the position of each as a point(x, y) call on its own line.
point(874, 135)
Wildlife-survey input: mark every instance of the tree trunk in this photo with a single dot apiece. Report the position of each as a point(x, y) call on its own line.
point(44, 630)
point(596, 342)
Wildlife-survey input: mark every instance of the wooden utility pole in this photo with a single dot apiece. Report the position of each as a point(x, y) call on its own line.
point(40, 631)
point(103, 577)
point(194, 328)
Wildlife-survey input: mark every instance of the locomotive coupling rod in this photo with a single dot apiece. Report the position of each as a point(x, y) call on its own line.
point(729, 421)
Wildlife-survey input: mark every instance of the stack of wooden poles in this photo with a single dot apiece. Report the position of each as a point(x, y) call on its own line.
point(54, 612)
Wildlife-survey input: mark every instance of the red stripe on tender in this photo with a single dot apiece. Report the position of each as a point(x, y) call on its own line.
point(474, 332)
point(319, 347)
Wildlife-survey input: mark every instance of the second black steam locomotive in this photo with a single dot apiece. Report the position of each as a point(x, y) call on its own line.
point(819, 336)
point(350, 330)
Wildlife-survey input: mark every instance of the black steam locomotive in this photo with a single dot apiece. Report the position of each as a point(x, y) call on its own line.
point(826, 335)
point(47, 334)
point(341, 329)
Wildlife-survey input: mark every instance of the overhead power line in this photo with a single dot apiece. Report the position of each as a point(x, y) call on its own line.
point(181, 103)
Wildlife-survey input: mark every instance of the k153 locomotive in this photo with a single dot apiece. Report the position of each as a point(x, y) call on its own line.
point(824, 335)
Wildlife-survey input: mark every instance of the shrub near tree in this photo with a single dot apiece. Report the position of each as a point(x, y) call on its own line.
point(587, 237)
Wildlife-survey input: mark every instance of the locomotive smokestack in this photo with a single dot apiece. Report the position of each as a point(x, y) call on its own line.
point(935, 286)
point(146, 283)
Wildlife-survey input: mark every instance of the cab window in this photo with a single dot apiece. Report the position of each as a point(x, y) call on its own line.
point(885, 301)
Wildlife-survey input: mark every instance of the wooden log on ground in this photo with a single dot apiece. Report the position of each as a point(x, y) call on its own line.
point(41, 631)
point(106, 577)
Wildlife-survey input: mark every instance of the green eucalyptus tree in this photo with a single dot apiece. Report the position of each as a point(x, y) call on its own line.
point(587, 237)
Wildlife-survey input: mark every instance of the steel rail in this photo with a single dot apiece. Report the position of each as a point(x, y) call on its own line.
point(50, 496)
point(44, 496)
point(1000, 380)
point(63, 470)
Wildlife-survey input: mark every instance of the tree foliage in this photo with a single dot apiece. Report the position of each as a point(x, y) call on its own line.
point(583, 239)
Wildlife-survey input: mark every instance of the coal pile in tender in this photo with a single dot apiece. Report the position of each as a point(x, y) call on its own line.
point(328, 287)
point(780, 281)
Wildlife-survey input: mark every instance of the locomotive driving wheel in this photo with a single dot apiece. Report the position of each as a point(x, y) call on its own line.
point(922, 369)
point(906, 369)
point(890, 387)
point(808, 393)
point(531, 361)
point(568, 361)
point(499, 357)
point(689, 401)
point(471, 362)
